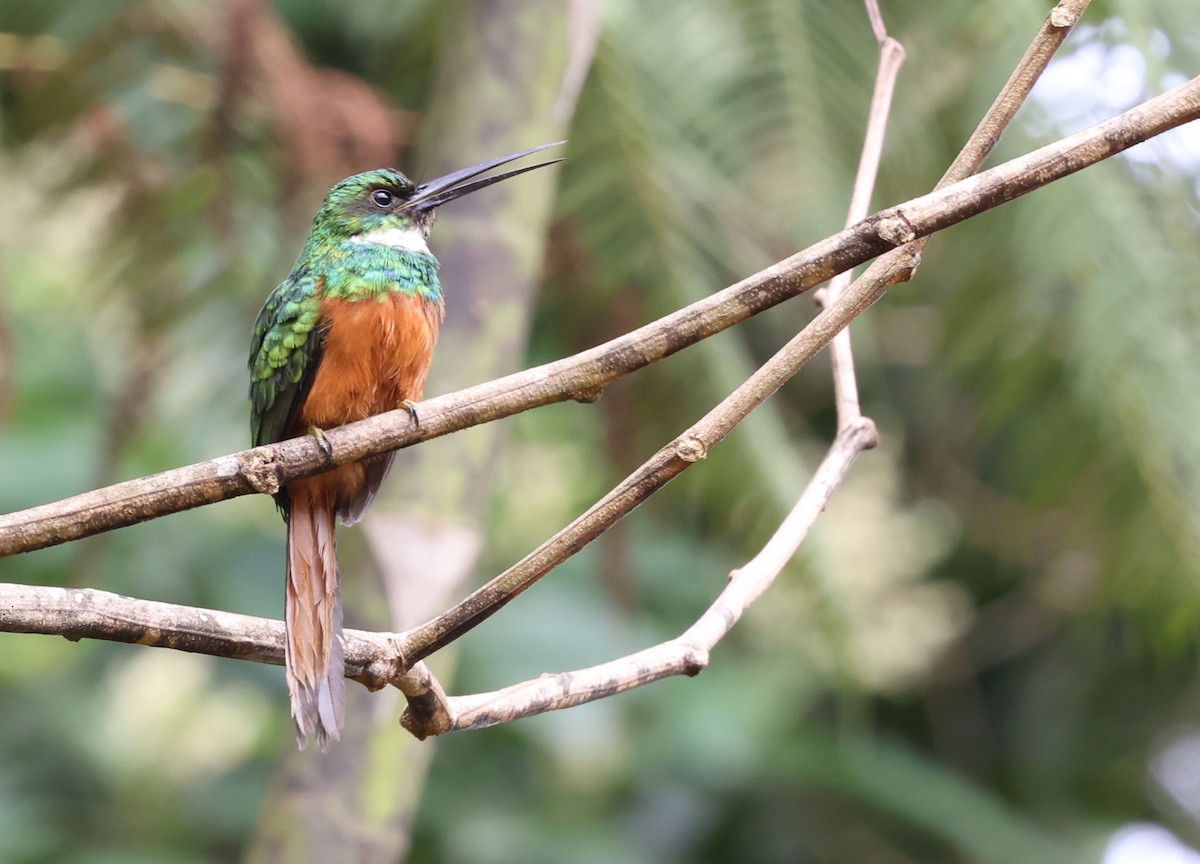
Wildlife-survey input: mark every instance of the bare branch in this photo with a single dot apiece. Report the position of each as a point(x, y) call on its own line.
point(786, 540)
point(882, 274)
point(584, 375)
point(876, 19)
point(87, 613)
point(900, 264)
point(685, 655)
point(891, 58)
point(1054, 31)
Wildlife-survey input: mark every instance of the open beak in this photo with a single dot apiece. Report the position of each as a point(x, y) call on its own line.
point(437, 192)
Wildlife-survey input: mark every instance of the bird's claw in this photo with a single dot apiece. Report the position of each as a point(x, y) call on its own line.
point(322, 441)
point(411, 407)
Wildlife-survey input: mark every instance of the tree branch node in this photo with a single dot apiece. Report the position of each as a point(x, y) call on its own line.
point(864, 433)
point(260, 472)
point(428, 711)
point(1063, 16)
point(894, 227)
point(691, 449)
point(695, 661)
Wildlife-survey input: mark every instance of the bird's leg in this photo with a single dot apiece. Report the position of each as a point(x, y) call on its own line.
point(411, 407)
point(322, 441)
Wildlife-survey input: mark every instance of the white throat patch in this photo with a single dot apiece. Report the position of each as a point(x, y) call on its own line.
point(396, 238)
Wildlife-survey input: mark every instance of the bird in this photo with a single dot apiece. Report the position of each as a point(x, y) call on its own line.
point(348, 334)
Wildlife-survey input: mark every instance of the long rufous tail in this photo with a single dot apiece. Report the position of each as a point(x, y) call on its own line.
point(313, 617)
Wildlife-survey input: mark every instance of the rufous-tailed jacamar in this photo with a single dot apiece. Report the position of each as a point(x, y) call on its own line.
point(348, 334)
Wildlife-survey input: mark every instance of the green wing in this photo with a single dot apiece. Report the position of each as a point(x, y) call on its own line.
point(284, 355)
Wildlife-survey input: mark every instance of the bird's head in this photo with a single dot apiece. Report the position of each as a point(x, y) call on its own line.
point(385, 206)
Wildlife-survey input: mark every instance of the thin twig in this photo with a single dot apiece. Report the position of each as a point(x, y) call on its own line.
point(876, 19)
point(901, 264)
point(1054, 31)
point(891, 58)
point(582, 376)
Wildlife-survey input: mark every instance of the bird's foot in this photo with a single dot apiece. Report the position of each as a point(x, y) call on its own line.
point(322, 441)
point(411, 407)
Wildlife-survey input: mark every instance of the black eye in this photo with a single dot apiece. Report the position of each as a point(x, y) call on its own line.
point(383, 198)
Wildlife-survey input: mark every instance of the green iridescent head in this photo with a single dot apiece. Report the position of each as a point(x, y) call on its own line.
point(386, 200)
point(373, 201)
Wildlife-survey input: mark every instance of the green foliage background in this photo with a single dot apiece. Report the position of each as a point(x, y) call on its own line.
point(984, 653)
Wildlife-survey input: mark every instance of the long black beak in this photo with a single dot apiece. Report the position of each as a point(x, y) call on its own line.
point(437, 192)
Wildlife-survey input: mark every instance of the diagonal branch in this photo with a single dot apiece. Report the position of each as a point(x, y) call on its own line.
point(584, 375)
